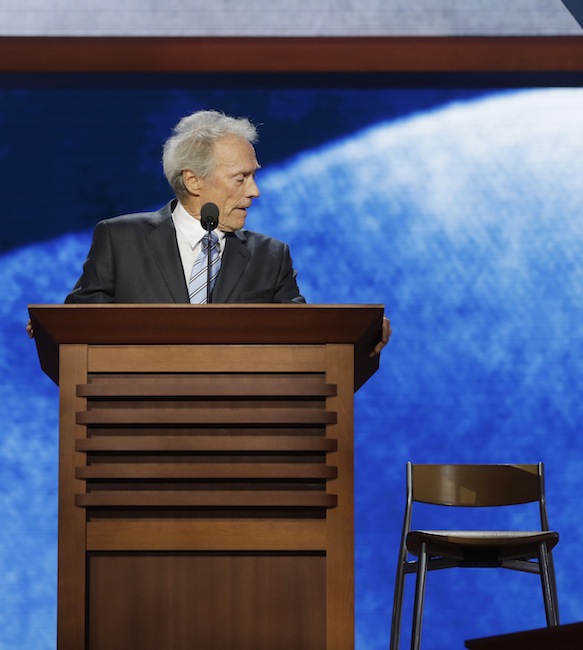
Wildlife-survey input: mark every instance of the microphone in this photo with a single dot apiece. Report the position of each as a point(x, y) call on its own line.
point(209, 216)
point(209, 220)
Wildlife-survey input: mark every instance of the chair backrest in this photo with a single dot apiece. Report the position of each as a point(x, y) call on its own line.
point(475, 485)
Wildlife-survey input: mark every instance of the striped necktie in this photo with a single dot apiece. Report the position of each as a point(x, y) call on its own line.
point(197, 286)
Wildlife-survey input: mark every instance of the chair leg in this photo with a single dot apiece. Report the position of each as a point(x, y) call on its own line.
point(419, 598)
point(553, 582)
point(548, 586)
point(397, 606)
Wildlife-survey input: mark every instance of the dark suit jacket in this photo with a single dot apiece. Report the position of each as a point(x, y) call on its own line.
point(135, 259)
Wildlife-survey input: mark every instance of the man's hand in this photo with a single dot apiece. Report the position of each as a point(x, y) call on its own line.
point(385, 336)
point(29, 330)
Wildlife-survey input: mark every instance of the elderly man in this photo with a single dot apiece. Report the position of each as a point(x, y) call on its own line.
point(149, 257)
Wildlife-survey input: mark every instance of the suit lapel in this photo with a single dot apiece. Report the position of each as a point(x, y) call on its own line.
point(234, 261)
point(164, 247)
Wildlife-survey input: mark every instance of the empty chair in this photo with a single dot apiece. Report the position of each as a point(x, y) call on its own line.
point(473, 486)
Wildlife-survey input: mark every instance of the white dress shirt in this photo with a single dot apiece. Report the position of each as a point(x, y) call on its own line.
point(189, 234)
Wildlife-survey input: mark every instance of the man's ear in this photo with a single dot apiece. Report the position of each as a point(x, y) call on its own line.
point(191, 181)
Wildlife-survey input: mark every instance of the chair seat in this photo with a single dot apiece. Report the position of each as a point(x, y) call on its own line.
point(506, 544)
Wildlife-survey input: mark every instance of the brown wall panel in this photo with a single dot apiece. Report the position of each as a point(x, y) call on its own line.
point(301, 54)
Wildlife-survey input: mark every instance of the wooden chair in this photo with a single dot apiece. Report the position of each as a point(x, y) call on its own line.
point(473, 486)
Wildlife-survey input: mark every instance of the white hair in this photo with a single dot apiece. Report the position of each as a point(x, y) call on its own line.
point(191, 145)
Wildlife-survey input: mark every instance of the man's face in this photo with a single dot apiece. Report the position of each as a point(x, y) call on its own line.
point(231, 185)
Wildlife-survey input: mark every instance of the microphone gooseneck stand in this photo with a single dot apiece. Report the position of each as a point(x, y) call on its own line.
point(209, 220)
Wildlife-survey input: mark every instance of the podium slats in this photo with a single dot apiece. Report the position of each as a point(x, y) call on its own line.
point(210, 498)
point(221, 385)
point(207, 471)
point(206, 416)
point(200, 443)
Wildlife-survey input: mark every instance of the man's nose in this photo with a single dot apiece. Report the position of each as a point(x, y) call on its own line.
point(253, 189)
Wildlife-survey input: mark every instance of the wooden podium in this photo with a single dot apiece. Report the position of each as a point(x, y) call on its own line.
point(206, 473)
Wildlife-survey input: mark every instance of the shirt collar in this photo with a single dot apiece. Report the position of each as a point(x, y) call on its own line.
point(190, 227)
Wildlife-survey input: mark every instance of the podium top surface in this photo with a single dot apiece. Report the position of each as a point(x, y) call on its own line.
point(224, 324)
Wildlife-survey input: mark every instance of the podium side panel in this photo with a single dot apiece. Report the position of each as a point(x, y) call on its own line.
point(72, 523)
point(340, 520)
